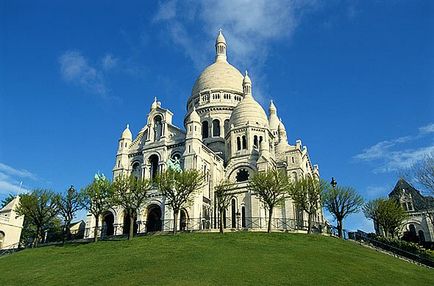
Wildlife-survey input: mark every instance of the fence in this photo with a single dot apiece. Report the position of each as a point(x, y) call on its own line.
point(202, 224)
point(363, 237)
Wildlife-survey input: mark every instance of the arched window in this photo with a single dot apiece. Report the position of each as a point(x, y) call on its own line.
point(145, 135)
point(153, 161)
point(205, 129)
point(158, 127)
point(238, 143)
point(136, 172)
point(255, 141)
point(233, 214)
point(226, 126)
point(244, 142)
point(2, 238)
point(294, 176)
point(242, 175)
point(215, 128)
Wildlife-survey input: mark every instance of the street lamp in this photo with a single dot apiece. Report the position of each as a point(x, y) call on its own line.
point(333, 183)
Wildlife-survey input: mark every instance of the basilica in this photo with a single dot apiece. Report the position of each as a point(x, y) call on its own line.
point(226, 135)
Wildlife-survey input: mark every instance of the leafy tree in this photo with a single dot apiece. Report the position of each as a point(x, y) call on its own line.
point(222, 192)
point(341, 202)
point(306, 194)
point(387, 213)
point(39, 208)
point(270, 187)
point(69, 203)
point(97, 199)
point(130, 193)
point(177, 187)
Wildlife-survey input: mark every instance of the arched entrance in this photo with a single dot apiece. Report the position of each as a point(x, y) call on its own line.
point(126, 228)
point(108, 223)
point(2, 238)
point(153, 220)
point(183, 220)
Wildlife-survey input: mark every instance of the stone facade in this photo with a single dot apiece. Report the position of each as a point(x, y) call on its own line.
point(227, 135)
point(11, 225)
point(418, 226)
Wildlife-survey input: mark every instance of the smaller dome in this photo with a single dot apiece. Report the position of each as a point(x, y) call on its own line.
point(127, 133)
point(281, 127)
point(248, 110)
point(194, 116)
point(272, 118)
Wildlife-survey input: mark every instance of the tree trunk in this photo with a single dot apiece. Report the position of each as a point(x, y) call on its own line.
point(221, 221)
point(339, 227)
point(36, 240)
point(309, 223)
point(270, 215)
point(131, 232)
point(95, 231)
point(175, 220)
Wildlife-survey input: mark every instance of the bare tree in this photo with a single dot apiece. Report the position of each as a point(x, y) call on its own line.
point(306, 194)
point(178, 187)
point(130, 193)
point(423, 173)
point(97, 199)
point(68, 203)
point(223, 195)
point(270, 187)
point(341, 202)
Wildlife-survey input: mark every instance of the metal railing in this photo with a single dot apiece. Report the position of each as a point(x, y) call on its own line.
point(201, 224)
point(363, 237)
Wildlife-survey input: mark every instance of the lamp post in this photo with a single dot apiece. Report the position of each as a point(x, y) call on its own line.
point(333, 183)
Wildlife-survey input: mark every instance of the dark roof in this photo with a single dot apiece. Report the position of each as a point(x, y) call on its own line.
point(420, 202)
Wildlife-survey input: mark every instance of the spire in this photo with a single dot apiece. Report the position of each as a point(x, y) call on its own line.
point(272, 109)
point(247, 85)
point(127, 133)
point(220, 47)
point(154, 104)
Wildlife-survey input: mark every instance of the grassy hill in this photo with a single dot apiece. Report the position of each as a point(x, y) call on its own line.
point(211, 259)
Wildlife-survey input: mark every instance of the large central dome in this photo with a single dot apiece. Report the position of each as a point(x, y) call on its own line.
point(219, 75)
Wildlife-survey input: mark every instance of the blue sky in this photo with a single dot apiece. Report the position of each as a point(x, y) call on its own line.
point(354, 80)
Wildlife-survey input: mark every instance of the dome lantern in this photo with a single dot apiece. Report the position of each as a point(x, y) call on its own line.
point(247, 85)
point(220, 47)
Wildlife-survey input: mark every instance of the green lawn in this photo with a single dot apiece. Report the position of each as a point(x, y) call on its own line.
point(211, 259)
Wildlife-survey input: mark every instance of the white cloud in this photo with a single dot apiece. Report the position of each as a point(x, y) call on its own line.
point(391, 155)
point(249, 25)
point(379, 150)
point(75, 68)
point(166, 11)
point(427, 129)
point(109, 62)
point(22, 173)
point(11, 179)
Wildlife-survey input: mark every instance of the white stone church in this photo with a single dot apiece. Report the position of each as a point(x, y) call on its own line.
point(227, 135)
